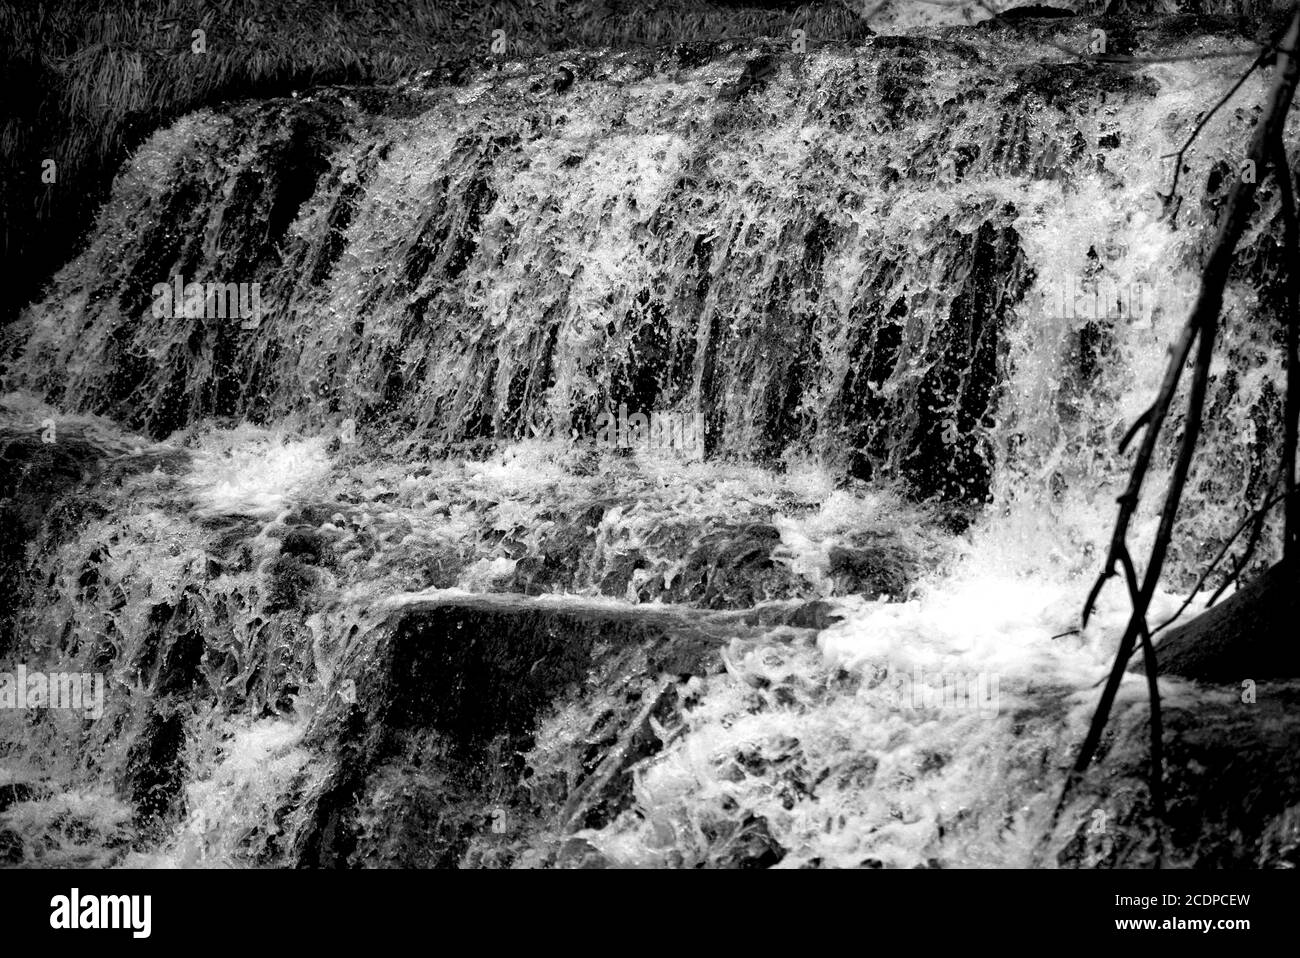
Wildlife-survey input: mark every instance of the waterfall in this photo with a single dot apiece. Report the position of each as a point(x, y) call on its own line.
point(331, 368)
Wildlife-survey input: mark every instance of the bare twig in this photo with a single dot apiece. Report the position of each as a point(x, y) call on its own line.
point(1133, 430)
point(1207, 305)
point(1239, 564)
point(1257, 518)
point(1205, 319)
point(1155, 417)
point(1153, 693)
point(1201, 329)
point(1178, 162)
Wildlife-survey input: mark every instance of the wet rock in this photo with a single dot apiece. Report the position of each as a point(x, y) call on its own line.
point(15, 792)
point(287, 582)
point(11, 847)
point(171, 649)
point(754, 76)
point(733, 567)
point(231, 541)
point(580, 853)
point(877, 566)
point(726, 566)
point(1034, 11)
point(450, 694)
point(1232, 783)
point(47, 491)
point(858, 772)
point(305, 543)
point(474, 668)
point(813, 615)
point(443, 570)
point(1248, 636)
point(748, 844)
point(413, 818)
point(561, 553)
point(817, 614)
point(621, 571)
point(551, 571)
point(156, 770)
point(310, 515)
point(1280, 845)
point(563, 80)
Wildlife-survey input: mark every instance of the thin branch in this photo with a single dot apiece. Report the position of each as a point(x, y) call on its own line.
point(1178, 162)
point(1256, 518)
point(1153, 693)
point(1201, 328)
point(1138, 423)
point(1128, 501)
point(1207, 306)
point(1239, 564)
point(1211, 293)
point(1093, 594)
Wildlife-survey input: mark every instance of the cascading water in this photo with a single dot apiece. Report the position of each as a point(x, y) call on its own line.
point(915, 292)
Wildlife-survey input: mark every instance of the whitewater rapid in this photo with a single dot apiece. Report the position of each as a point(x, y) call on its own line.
point(853, 275)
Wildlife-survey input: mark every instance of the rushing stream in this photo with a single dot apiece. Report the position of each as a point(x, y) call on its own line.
point(897, 304)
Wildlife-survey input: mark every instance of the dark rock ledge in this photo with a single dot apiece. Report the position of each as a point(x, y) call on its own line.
point(431, 755)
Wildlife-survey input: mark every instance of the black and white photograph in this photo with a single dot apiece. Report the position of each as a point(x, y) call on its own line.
point(678, 435)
